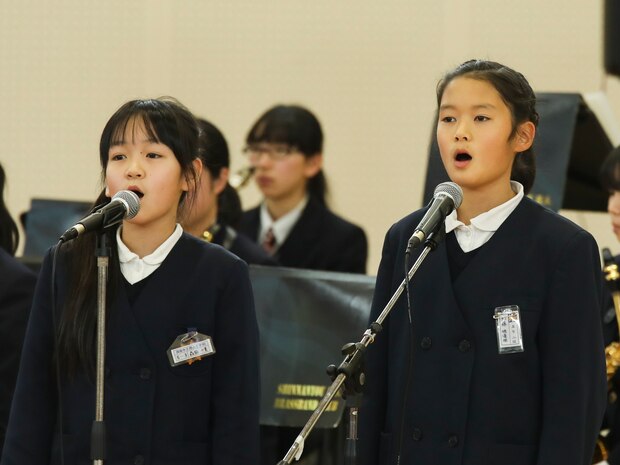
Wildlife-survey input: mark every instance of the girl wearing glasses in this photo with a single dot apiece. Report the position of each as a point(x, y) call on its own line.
point(293, 222)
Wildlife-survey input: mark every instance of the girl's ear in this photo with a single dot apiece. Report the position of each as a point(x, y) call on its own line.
point(107, 191)
point(524, 138)
point(220, 183)
point(313, 165)
point(197, 168)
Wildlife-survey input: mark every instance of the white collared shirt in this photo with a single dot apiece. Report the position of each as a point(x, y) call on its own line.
point(483, 226)
point(134, 268)
point(282, 226)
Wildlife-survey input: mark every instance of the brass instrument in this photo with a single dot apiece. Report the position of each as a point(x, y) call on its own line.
point(237, 181)
point(612, 276)
point(612, 351)
point(241, 177)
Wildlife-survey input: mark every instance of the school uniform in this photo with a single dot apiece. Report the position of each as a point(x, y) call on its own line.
point(200, 413)
point(17, 284)
point(310, 237)
point(242, 246)
point(319, 240)
point(466, 403)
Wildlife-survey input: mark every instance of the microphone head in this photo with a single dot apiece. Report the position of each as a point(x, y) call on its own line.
point(452, 190)
point(131, 200)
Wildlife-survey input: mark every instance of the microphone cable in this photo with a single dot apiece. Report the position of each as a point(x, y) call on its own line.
point(410, 359)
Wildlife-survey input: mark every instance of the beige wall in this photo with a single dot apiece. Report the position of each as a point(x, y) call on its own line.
point(368, 69)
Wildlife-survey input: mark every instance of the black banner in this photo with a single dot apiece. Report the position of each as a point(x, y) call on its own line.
point(305, 317)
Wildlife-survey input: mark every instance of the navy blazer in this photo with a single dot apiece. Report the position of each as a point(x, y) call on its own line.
point(320, 240)
point(16, 292)
point(466, 403)
point(243, 247)
point(203, 413)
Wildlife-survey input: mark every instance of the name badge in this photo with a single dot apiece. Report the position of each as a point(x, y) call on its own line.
point(508, 326)
point(190, 347)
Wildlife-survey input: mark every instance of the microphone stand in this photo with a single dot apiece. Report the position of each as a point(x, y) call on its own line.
point(350, 372)
point(98, 431)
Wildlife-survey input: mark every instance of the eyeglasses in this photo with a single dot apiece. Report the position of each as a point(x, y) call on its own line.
point(273, 151)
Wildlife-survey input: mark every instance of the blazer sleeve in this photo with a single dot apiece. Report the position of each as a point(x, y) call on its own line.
point(33, 412)
point(16, 293)
point(373, 441)
point(357, 251)
point(236, 381)
point(572, 355)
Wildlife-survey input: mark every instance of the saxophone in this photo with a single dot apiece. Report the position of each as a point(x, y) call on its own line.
point(612, 351)
point(241, 177)
point(612, 277)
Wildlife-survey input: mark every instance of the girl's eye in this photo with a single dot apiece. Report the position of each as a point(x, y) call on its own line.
point(117, 157)
point(448, 119)
point(482, 118)
point(153, 155)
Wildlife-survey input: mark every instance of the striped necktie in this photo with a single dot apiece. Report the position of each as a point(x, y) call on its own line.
point(269, 242)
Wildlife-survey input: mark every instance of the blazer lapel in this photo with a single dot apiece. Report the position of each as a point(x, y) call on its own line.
point(304, 234)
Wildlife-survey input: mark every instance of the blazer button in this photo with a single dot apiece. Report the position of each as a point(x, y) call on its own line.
point(138, 460)
point(464, 345)
point(426, 343)
point(417, 434)
point(453, 440)
point(612, 397)
point(145, 373)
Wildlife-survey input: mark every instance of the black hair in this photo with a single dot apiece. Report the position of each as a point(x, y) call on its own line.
point(213, 152)
point(168, 122)
point(9, 234)
point(518, 96)
point(610, 171)
point(297, 127)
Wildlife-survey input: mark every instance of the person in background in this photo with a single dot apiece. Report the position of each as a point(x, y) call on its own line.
point(610, 443)
point(500, 359)
point(216, 208)
point(293, 222)
point(182, 372)
point(17, 284)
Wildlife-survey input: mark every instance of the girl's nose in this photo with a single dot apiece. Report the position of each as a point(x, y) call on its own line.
point(462, 133)
point(135, 171)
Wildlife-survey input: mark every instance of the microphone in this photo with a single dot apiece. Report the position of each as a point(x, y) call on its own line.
point(446, 198)
point(124, 204)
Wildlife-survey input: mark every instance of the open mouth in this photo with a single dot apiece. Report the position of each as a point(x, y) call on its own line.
point(463, 157)
point(136, 191)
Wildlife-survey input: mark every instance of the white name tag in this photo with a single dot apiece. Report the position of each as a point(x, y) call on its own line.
point(189, 348)
point(196, 349)
point(508, 325)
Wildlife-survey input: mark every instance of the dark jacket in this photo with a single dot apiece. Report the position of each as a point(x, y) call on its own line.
point(203, 413)
point(320, 240)
point(16, 292)
point(243, 247)
point(468, 404)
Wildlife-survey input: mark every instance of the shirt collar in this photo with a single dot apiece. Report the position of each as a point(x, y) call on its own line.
point(491, 220)
point(283, 225)
point(159, 254)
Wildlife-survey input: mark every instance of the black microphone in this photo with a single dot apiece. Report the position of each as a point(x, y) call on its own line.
point(124, 204)
point(446, 198)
